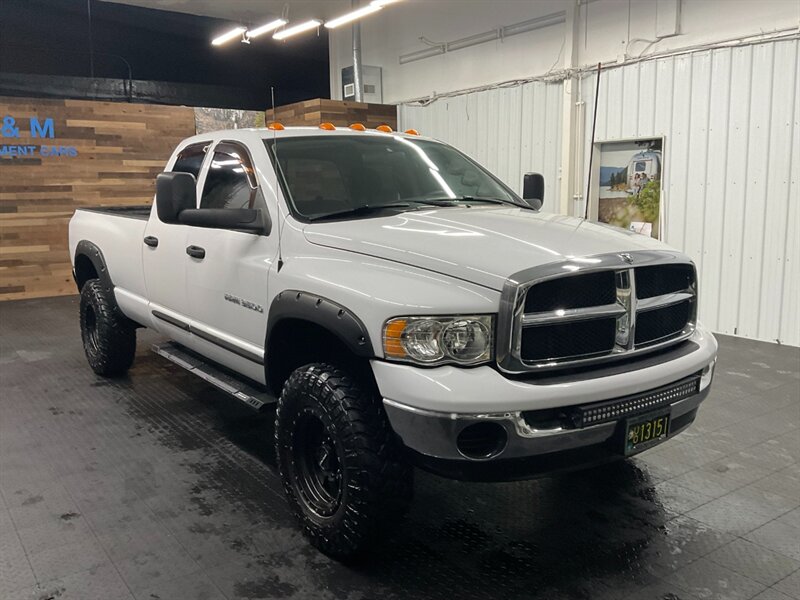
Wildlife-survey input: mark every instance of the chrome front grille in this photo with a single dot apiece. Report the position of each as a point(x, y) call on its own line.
point(595, 309)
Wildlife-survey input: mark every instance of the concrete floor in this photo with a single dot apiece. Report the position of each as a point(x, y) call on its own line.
point(157, 487)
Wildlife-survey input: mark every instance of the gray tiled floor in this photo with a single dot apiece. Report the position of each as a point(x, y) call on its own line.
point(156, 487)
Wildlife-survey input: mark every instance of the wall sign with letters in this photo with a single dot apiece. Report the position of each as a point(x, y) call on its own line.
point(10, 130)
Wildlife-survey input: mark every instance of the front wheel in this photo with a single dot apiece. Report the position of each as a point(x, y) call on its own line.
point(339, 460)
point(109, 338)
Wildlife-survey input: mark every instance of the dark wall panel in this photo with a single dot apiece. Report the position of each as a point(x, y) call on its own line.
point(53, 37)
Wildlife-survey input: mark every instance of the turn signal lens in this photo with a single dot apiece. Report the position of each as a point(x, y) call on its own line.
point(327, 126)
point(275, 126)
point(412, 132)
point(384, 128)
point(358, 127)
point(707, 374)
point(392, 344)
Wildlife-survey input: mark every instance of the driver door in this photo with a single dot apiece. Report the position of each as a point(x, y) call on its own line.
point(227, 270)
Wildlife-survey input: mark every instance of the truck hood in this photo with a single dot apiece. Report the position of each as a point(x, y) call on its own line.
point(480, 244)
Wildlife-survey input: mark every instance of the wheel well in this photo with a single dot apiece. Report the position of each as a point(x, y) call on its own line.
point(84, 270)
point(295, 342)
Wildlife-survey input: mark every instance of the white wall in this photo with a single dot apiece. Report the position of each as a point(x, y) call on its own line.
point(731, 125)
point(395, 31)
point(511, 131)
point(603, 35)
point(730, 117)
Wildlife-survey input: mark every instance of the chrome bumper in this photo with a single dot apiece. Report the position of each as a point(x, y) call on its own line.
point(435, 434)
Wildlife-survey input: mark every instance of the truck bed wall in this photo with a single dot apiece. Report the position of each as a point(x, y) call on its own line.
point(120, 239)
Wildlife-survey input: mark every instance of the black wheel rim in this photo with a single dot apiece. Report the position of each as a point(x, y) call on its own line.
point(90, 328)
point(318, 466)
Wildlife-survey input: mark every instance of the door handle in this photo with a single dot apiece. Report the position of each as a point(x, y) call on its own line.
point(196, 252)
point(151, 241)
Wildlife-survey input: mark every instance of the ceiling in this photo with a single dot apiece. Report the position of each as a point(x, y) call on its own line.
point(248, 12)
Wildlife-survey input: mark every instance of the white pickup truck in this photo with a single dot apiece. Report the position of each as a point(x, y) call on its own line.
point(402, 306)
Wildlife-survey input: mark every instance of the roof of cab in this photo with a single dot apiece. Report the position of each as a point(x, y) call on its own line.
point(266, 133)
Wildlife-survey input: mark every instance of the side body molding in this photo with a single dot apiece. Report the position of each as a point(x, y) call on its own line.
point(340, 321)
point(90, 251)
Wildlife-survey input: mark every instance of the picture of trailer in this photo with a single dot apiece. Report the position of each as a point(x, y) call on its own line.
point(643, 167)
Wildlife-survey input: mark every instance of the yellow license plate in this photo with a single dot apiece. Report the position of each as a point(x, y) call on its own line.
point(646, 431)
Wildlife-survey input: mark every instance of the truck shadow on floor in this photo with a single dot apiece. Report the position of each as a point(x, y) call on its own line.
point(574, 535)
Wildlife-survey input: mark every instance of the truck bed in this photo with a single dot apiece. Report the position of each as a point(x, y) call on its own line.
point(132, 212)
point(118, 233)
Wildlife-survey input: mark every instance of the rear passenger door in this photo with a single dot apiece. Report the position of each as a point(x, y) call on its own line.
point(164, 257)
point(227, 286)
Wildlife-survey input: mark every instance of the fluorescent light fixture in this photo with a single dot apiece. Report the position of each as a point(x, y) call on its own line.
point(227, 37)
point(352, 16)
point(312, 24)
point(271, 26)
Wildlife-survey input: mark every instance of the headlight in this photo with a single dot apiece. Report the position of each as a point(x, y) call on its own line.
point(464, 340)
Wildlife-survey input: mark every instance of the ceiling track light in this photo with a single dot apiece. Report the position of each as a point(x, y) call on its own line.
point(228, 36)
point(302, 27)
point(249, 34)
point(271, 26)
point(352, 16)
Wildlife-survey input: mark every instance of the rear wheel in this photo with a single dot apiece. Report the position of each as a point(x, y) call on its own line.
point(339, 460)
point(109, 338)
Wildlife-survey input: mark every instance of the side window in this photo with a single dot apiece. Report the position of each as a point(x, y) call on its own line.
point(230, 182)
point(190, 159)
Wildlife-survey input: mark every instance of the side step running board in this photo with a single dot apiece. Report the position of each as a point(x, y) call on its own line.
point(242, 391)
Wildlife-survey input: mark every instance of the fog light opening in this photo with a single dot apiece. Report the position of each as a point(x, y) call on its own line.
point(480, 441)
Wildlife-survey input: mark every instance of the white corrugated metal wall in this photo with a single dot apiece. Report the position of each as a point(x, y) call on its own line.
point(731, 122)
point(511, 131)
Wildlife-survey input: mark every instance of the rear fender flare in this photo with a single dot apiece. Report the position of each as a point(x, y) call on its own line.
point(95, 255)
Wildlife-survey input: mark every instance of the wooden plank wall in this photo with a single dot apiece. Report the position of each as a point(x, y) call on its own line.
point(340, 113)
point(120, 150)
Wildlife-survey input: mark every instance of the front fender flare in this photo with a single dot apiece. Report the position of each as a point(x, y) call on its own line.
point(338, 319)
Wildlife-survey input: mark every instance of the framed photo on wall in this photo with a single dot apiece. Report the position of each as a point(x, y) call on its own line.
point(627, 191)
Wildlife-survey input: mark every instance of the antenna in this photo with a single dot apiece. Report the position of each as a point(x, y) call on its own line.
point(277, 166)
point(591, 147)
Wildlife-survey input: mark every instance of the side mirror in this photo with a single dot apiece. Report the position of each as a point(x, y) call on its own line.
point(533, 189)
point(175, 192)
point(248, 219)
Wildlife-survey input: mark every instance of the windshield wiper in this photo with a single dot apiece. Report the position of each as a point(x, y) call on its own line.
point(451, 201)
point(493, 200)
point(367, 209)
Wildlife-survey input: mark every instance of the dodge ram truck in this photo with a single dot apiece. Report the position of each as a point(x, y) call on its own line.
point(402, 307)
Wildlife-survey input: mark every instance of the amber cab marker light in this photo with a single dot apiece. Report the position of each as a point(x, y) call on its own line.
point(358, 127)
point(275, 126)
point(327, 126)
point(392, 338)
point(384, 128)
point(412, 132)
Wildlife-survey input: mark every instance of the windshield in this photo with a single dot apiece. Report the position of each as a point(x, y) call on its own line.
point(327, 176)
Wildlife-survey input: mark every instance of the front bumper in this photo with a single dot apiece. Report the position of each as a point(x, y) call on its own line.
point(545, 431)
point(526, 452)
